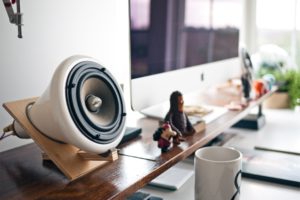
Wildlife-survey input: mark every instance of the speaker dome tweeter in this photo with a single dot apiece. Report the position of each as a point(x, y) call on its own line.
point(82, 106)
point(93, 103)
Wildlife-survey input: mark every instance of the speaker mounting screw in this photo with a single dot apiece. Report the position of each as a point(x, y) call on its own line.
point(103, 69)
point(97, 136)
point(72, 85)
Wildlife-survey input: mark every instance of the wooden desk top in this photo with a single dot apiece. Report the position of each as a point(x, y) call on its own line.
point(23, 174)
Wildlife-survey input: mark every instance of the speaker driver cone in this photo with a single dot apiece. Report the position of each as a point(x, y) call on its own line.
point(98, 102)
point(95, 102)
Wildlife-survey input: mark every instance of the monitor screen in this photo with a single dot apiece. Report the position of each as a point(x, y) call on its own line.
point(176, 35)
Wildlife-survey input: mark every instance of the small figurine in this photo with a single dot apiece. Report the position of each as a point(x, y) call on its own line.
point(260, 87)
point(246, 83)
point(177, 118)
point(270, 80)
point(247, 74)
point(163, 136)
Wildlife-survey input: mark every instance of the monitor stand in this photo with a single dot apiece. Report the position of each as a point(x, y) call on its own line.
point(252, 121)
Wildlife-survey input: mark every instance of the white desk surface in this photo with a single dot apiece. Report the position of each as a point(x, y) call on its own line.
point(281, 131)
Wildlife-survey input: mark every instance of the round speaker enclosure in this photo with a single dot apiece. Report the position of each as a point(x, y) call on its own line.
point(61, 112)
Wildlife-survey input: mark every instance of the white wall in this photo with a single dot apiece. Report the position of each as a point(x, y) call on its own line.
point(54, 30)
point(249, 33)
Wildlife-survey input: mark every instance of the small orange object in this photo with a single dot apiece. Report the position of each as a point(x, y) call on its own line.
point(259, 87)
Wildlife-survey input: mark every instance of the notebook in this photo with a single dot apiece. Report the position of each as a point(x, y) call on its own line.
point(275, 167)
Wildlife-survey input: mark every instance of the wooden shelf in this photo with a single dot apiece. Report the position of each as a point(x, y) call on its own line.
point(68, 158)
point(24, 175)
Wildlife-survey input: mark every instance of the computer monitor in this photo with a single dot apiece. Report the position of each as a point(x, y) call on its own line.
point(184, 45)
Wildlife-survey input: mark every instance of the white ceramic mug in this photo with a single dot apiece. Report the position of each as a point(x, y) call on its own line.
point(217, 173)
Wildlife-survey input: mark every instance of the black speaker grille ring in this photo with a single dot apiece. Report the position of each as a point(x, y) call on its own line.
point(102, 134)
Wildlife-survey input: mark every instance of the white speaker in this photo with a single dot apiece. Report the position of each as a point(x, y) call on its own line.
point(82, 106)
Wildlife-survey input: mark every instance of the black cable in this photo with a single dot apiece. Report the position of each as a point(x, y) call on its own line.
point(2, 136)
point(5, 136)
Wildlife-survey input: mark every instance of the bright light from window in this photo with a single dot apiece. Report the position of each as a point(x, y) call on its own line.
point(141, 15)
point(224, 19)
point(198, 13)
point(275, 14)
point(278, 22)
point(197, 19)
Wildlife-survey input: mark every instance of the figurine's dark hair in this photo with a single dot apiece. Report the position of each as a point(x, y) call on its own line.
point(174, 100)
point(157, 134)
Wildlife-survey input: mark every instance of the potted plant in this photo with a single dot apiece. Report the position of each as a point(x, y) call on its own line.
point(273, 60)
point(293, 86)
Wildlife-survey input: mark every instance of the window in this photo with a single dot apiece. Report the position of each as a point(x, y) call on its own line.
point(278, 22)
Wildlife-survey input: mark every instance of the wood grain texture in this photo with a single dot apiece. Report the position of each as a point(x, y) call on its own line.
point(23, 174)
point(65, 156)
